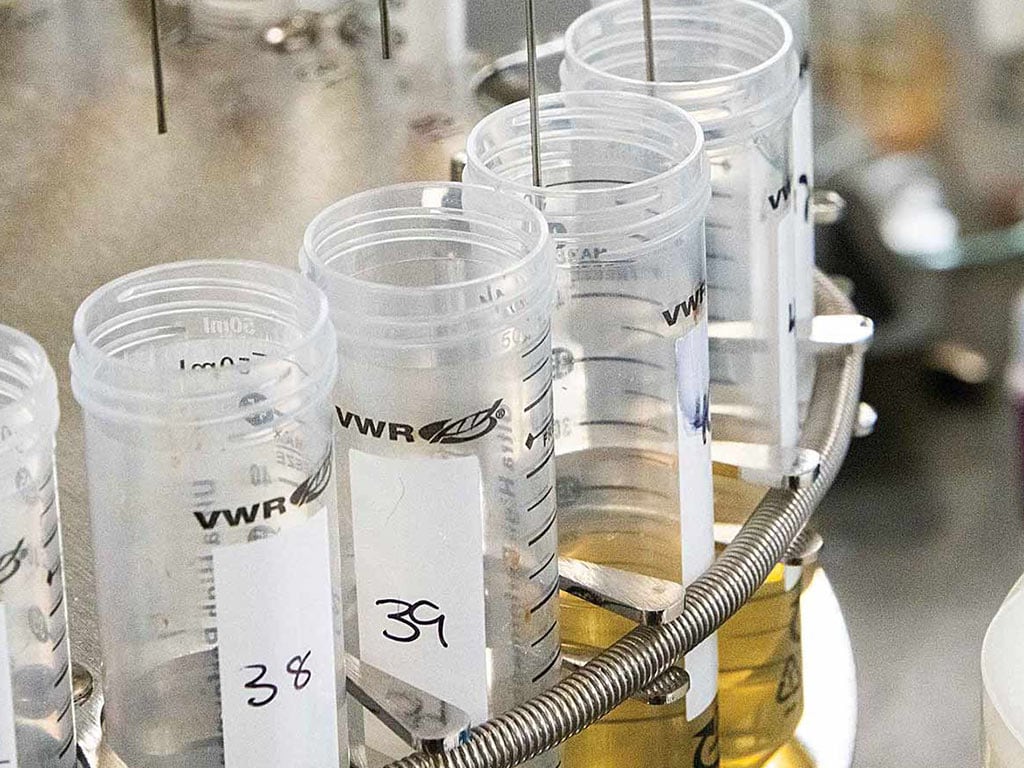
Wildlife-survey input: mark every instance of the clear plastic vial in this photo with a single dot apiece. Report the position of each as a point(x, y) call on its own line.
point(36, 708)
point(797, 14)
point(442, 296)
point(209, 437)
point(733, 66)
point(626, 188)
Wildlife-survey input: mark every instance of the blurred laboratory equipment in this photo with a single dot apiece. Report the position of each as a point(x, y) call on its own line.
point(733, 65)
point(886, 63)
point(441, 295)
point(1002, 675)
point(625, 187)
point(36, 716)
point(205, 388)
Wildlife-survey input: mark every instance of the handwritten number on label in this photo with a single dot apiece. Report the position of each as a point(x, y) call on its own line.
point(10, 562)
point(412, 617)
point(268, 691)
point(296, 668)
point(257, 684)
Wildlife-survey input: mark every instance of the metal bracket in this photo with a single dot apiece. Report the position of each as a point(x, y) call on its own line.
point(841, 333)
point(829, 333)
point(773, 466)
point(646, 600)
point(803, 551)
point(422, 721)
point(827, 207)
point(667, 689)
point(867, 421)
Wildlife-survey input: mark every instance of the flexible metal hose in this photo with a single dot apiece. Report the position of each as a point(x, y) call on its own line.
point(590, 693)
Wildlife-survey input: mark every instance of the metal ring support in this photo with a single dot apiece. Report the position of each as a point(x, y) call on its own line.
point(643, 655)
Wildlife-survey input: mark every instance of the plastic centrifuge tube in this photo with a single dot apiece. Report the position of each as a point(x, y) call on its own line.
point(36, 707)
point(797, 14)
point(205, 388)
point(442, 295)
point(733, 66)
point(625, 192)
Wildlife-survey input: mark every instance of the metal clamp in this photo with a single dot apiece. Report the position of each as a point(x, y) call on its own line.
point(646, 600)
point(667, 689)
point(422, 721)
point(772, 466)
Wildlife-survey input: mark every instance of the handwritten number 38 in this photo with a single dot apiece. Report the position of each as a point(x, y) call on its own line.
point(268, 691)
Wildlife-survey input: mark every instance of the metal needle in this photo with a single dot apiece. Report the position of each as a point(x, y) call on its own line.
point(158, 68)
point(649, 40)
point(531, 60)
point(385, 29)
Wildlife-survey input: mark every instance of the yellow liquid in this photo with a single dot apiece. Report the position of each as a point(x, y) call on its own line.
point(792, 755)
point(760, 691)
point(621, 508)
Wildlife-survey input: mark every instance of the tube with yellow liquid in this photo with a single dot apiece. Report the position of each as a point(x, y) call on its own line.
point(760, 676)
point(625, 186)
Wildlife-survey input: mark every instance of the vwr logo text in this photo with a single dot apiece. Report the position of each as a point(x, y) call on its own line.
point(305, 493)
point(443, 432)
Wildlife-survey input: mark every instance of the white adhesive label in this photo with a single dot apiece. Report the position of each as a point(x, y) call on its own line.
point(8, 750)
point(276, 648)
point(418, 533)
point(696, 498)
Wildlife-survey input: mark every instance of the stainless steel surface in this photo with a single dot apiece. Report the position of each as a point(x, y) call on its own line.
point(667, 689)
point(772, 466)
point(420, 720)
point(648, 601)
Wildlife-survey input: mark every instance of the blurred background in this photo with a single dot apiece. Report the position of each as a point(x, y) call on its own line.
point(277, 109)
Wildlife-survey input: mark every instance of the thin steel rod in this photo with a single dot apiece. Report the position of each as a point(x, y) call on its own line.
point(158, 68)
point(385, 29)
point(531, 62)
point(648, 40)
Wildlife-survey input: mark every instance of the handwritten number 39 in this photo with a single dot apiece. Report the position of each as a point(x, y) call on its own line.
point(410, 616)
point(268, 691)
